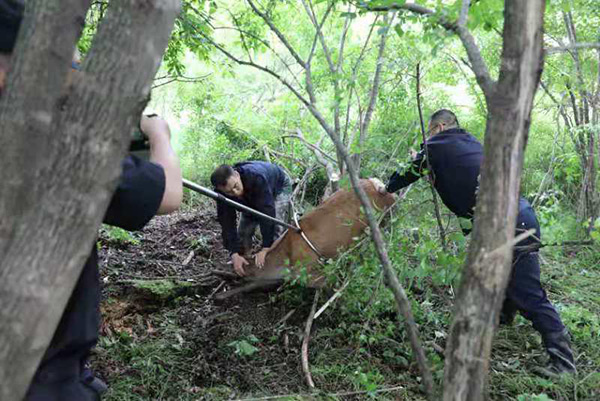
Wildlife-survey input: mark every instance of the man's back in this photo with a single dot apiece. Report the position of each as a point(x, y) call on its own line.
point(455, 157)
point(255, 174)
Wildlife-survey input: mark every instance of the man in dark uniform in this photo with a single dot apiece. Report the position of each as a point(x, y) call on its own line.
point(454, 157)
point(146, 188)
point(262, 186)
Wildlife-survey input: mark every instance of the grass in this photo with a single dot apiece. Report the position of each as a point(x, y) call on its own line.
point(192, 349)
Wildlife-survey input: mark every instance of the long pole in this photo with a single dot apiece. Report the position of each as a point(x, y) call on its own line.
point(220, 198)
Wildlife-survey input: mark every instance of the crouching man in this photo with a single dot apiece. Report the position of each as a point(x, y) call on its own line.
point(261, 186)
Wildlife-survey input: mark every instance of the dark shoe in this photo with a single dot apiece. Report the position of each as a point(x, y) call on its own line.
point(91, 381)
point(558, 346)
point(507, 318)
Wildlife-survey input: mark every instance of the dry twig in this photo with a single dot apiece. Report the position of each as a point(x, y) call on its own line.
point(332, 299)
point(309, 322)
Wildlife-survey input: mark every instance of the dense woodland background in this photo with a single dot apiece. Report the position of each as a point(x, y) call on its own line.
point(233, 89)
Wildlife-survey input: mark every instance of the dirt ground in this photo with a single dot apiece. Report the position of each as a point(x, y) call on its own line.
point(164, 336)
point(161, 284)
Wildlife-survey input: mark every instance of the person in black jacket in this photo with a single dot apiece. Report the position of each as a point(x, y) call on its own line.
point(262, 186)
point(146, 188)
point(451, 158)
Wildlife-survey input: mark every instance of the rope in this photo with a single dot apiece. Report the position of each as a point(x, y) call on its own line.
point(321, 259)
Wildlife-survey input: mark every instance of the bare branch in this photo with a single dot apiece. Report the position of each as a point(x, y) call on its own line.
point(436, 205)
point(332, 68)
point(306, 339)
point(347, 24)
point(243, 32)
point(478, 64)
point(277, 32)
point(313, 18)
point(323, 158)
point(464, 13)
point(353, 79)
point(479, 67)
point(168, 79)
point(572, 35)
point(559, 104)
point(315, 148)
point(242, 36)
point(259, 67)
point(320, 27)
point(375, 85)
point(572, 46)
point(307, 66)
point(415, 8)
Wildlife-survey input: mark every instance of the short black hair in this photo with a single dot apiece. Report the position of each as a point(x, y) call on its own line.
point(445, 117)
point(11, 15)
point(221, 174)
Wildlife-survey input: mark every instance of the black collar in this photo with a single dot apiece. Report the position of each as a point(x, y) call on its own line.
point(452, 131)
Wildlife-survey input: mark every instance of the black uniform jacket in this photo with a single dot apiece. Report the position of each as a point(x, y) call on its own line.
point(455, 157)
point(262, 183)
point(134, 203)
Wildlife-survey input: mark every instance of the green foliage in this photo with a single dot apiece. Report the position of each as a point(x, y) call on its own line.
point(161, 289)
point(532, 397)
point(244, 346)
point(239, 113)
point(367, 381)
point(583, 324)
point(191, 28)
point(151, 361)
point(119, 236)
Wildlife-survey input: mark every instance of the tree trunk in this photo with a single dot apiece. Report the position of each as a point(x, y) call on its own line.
point(62, 144)
point(487, 268)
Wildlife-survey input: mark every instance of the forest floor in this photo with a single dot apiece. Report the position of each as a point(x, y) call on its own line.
point(165, 337)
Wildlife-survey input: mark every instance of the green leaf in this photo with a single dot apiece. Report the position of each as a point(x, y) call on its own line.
point(399, 30)
point(349, 15)
point(243, 347)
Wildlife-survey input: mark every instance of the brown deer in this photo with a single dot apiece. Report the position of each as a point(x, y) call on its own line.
point(331, 228)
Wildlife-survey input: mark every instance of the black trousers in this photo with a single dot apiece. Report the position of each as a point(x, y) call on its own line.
point(63, 381)
point(524, 292)
point(62, 375)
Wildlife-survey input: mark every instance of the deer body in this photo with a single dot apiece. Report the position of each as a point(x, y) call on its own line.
point(331, 227)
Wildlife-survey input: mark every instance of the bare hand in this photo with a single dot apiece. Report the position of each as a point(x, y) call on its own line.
point(155, 127)
point(413, 154)
point(379, 186)
point(259, 258)
point(238, 264)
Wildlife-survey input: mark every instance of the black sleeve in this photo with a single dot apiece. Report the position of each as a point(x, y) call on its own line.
point(265, 203)
point(415, 171)
point(227, 217)
point(138, 196)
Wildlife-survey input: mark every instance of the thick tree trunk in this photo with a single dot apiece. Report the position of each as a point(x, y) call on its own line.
point(61, 149)
point(488, 264)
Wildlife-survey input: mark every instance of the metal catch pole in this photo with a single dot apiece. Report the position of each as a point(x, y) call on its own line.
point(220, 198)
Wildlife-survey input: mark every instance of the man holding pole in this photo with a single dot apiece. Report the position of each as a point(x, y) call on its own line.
point(259, 185)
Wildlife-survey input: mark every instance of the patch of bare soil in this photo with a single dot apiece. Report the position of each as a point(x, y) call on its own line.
point(249, 343)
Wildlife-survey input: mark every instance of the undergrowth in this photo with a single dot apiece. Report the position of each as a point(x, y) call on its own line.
point(196, 349)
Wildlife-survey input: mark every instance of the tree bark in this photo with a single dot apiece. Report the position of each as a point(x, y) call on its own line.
point(487, 268)
point(62, 141)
